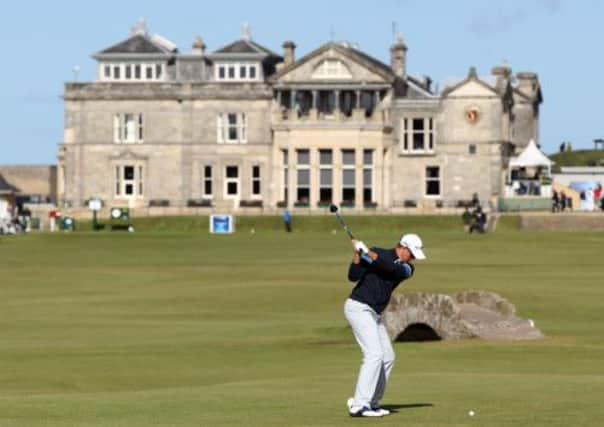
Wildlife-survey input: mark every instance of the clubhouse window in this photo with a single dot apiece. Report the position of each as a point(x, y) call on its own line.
point(303, 176)
point(128, 128)
point(325, 176)
point(417, 135)
point(207, 182)
point(348, 177)
point(232, 128)
point(433, 181)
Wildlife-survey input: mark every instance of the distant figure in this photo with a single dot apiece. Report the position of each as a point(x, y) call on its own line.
point(480, 221)
point(563, 201)
point(555, 201)
point(597, 196)
point(287, 220)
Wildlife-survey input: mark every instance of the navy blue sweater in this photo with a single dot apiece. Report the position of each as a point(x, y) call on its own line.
point(377, 280)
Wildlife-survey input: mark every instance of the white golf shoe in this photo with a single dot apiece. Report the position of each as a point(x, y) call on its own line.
point(361, 411)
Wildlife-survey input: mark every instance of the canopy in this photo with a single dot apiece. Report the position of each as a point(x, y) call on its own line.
point(531, 156)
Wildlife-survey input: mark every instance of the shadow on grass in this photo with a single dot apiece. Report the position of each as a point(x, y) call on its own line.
point(394, 408)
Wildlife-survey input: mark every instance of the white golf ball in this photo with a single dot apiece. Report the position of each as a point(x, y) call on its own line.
point(471, 413)
point(531, 322)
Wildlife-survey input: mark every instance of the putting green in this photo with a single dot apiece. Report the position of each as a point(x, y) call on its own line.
point(177, 328)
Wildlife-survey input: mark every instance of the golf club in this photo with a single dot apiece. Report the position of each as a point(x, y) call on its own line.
point(334, 209)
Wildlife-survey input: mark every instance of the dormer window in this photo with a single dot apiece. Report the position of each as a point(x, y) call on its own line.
point(131, 71)
point(332, 69)
point(236, 71)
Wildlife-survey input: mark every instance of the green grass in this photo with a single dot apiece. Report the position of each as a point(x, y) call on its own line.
point(577, 158)
point(175, 328)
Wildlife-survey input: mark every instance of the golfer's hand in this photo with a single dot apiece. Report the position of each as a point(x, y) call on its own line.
point(361, 247)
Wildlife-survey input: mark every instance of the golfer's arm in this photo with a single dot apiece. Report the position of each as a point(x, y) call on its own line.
point(393, 270)
point(356, 269)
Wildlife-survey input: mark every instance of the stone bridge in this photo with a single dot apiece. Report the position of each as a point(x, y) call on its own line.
point(470, 314)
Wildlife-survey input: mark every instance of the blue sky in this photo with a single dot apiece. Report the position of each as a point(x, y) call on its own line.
point(558, 39)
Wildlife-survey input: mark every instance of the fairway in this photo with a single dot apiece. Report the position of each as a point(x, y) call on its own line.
point(178, 328)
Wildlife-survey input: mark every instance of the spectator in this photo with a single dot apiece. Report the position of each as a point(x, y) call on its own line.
point(480, 221)
point(563, 201)
point(555, 201)
point(287, 220)
point(597, 196)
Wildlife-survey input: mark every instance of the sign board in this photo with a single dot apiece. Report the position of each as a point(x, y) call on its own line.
point(222, 224)
point(95, 204)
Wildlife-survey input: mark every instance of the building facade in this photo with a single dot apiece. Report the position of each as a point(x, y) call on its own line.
point(245, 128)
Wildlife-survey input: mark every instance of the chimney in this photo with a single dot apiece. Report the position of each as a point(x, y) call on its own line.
point(502, 75)
point(199, 47)
point(289, 48)
point(528, 83)
point(398, 52)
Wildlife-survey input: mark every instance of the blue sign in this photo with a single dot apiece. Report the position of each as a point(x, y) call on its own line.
point(222, 224)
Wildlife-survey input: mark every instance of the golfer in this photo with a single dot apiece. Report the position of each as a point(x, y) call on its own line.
point(377, 273)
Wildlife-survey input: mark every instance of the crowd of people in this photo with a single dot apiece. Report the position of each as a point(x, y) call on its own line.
point(591, 199)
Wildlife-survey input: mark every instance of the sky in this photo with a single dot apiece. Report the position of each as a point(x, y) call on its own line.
point(44, 41)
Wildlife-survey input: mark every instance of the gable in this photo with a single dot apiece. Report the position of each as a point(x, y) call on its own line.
point(330, 64)
point(472, 88)
point(135, 44)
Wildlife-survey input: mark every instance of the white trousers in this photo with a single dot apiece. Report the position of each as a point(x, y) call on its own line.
point(378, 355)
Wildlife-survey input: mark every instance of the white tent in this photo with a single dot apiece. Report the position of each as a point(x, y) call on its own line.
point(530, 157)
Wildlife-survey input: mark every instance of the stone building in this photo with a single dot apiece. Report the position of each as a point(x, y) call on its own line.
point(245, 128)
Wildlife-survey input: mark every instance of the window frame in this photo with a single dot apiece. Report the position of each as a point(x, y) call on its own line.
point(228, 180)
point(207, 179)
point(256, 180)
point(349, 167)
point(407, 135)
point(430, 179)
point(222, 71)
point(223, 128)
point(326, 167)
point(300, 167)
point(121, 182)
point(120, 128)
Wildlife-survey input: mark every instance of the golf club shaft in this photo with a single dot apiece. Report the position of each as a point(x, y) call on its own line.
point(344, 226)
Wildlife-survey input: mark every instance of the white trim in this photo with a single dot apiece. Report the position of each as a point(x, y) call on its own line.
point(121, 128)
point(223, 127)
point(228, 180)
point(120, 182)
point(406, 129)
point(205, 179)
point(440, 182)
point(257, 196)
point(131, 65)
point(237, 65)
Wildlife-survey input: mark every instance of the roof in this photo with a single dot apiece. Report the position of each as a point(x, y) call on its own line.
point(453, 84)
point(141, 43)
point(531, 156)
point(245, 46)
point(346, 50)
point(5, 187)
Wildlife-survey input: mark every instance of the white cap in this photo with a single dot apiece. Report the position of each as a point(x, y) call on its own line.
point(414, 244)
